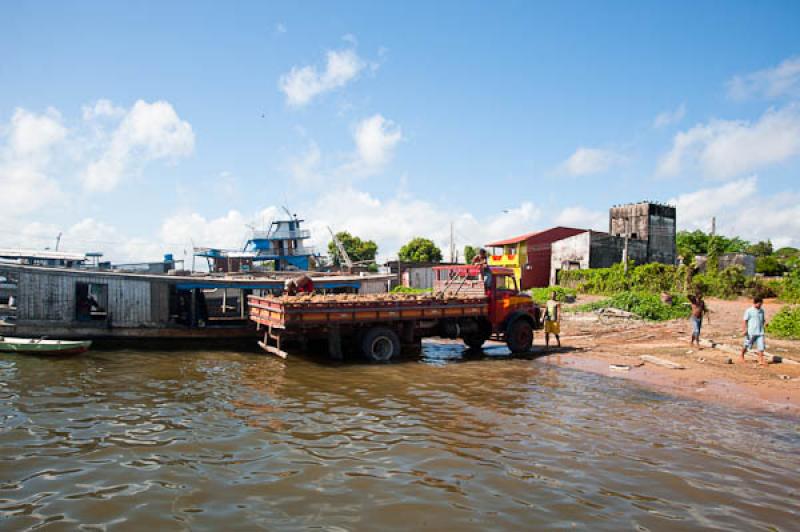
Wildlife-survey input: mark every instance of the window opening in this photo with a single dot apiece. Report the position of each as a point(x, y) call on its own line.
point(91, 302)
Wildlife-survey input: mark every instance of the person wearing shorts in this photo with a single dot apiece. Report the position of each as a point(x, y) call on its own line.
point(753, 328)
point(696, 319)
point(552, 320)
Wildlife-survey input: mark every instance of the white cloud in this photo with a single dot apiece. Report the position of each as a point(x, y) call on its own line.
point(31, 134)
point(582, 218)
point(695, 209)
point(102, 109)
point(25, 158)
point(305, 169)
point(770, 83)
point(229, 231)
point(375, 139)
point(280, 28)
point(670, 117)
point(741, 211)
point(303, 84)
point(393, 221)
point(148, 132)
point(723, 149)
point(586, 161)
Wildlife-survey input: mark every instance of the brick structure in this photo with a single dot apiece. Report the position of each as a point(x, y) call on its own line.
point(653, 223)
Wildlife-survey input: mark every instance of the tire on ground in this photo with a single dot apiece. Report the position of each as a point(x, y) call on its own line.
point(474, 341)
point(380, 344)
point(477, 339)
point(519, 337)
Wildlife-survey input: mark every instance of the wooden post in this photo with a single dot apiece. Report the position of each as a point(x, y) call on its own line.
point(335, 342)
point(193, 309)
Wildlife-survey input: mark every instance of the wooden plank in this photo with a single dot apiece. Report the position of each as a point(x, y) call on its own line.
point(661, 362)
point(273, 350)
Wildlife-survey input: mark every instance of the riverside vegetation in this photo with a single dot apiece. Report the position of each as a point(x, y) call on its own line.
point(639, 290)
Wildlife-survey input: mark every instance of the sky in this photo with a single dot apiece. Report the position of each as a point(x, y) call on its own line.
point(143, 128)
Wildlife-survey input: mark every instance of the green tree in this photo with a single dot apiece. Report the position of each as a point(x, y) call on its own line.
point(761, 249)
point(787, 252)
point(357, 249)
point(469, 254)
point(691, 243)
point(420, 250)
point(770, 265)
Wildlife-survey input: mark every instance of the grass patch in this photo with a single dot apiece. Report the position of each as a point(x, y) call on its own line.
point(645, 305)
point(541, 295)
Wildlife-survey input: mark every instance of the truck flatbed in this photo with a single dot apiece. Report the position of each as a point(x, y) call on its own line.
point(309, 311)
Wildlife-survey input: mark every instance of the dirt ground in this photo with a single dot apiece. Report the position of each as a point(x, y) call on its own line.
point(594, 343)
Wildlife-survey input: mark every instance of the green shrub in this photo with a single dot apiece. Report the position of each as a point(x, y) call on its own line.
point(541, 295)
point(786, 323)
point(645, 305)
point(408, 290)
point(605, 281)
point(790, 289)
point(656, 278)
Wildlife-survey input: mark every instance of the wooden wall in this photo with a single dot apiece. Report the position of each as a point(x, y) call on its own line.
point(45, 296)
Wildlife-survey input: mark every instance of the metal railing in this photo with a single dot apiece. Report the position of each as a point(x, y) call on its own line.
point(282, 235)
point(304, 250)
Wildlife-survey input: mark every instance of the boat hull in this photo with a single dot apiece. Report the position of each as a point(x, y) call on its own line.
point(44, 347)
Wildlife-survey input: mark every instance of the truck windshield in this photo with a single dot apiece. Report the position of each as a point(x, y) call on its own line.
point(506, 282)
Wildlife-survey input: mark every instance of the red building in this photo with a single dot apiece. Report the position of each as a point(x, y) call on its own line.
point(529, 255)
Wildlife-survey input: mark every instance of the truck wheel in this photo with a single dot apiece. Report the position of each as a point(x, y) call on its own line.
point(519, 337)
point(380, 344)
point(475, 341)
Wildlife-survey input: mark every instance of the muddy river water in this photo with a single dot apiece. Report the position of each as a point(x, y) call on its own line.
point(232, 441)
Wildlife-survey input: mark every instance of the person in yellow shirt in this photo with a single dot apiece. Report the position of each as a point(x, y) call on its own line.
point(552, 319)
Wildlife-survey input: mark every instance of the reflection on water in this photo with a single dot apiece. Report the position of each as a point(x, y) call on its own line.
point(233, 441)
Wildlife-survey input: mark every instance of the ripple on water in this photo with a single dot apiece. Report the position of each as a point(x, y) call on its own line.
point(175, 440)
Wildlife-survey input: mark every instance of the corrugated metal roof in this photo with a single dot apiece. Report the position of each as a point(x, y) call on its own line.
point(513, 240)
point(557, 234)
point(11, 253)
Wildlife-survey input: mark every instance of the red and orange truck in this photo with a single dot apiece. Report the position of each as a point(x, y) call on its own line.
point(474, 303)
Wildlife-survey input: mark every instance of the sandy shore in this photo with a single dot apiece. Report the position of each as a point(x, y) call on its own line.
point(592, 343)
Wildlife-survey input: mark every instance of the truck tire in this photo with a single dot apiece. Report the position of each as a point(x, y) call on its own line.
point(477, 339)
point(380, 344)
point(474, 341)
point(519, 337)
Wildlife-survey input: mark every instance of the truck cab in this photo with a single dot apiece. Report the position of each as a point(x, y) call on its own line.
point(511, 316)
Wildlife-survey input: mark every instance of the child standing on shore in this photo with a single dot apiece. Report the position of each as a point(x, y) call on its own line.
point(753, 329)
point(552, 320)
point(698, 311)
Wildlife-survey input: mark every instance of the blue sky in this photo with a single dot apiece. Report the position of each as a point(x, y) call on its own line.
point(142, 128)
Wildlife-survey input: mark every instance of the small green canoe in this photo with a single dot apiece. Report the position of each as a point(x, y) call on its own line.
point(41, 346)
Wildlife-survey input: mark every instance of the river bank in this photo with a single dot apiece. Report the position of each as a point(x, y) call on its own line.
point(593, 343)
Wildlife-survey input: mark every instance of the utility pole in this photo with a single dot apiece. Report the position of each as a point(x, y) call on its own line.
point(452, 245)
point(625, 248)
point(713, 225)
point(58, 240)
